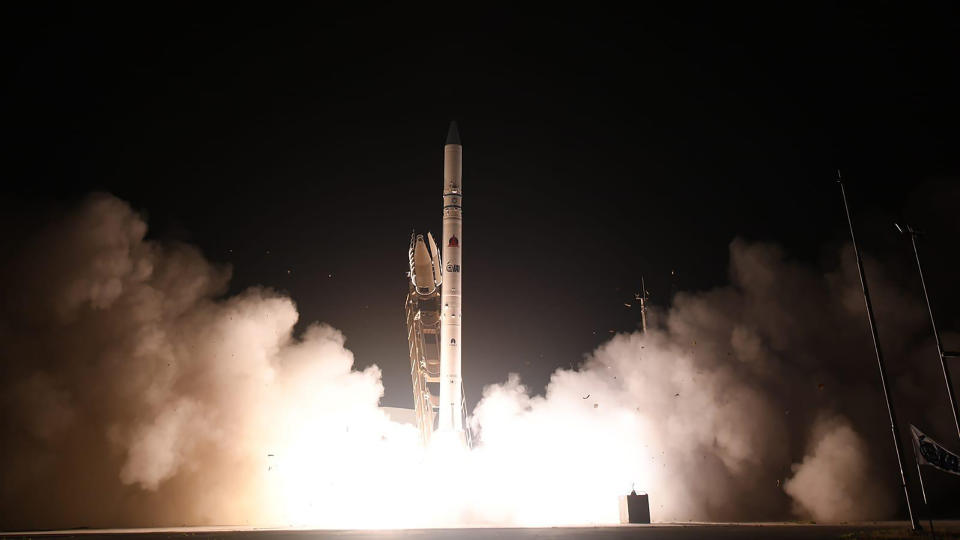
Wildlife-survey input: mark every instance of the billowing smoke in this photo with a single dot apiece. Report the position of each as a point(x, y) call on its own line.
point(131, 396)
point(133, 393)
point(833, 480)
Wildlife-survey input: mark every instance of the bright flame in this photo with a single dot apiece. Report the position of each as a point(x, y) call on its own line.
point(337, 470)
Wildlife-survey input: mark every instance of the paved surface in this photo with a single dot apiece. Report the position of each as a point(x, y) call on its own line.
point(691, 531)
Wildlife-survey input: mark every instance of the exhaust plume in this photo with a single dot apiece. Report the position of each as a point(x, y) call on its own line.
point(134, 393)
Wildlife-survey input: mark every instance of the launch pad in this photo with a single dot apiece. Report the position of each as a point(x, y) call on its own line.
point(666, 531)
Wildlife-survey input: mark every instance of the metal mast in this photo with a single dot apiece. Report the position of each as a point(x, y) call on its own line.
point(907, 229)
point(898, 446)
point(643, 304)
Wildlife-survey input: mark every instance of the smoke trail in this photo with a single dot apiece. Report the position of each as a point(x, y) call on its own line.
point(127, 376)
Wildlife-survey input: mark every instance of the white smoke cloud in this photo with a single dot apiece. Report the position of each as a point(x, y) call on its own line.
point(833, 479)
point(128, 376)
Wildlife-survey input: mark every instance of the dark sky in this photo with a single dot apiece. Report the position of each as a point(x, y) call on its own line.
point(599, 146)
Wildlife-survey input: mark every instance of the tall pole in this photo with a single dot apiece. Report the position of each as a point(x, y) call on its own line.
point(898, 446)
point(936, 335)
point(643, 305)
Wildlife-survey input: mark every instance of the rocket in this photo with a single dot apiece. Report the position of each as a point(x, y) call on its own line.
point(451, 291)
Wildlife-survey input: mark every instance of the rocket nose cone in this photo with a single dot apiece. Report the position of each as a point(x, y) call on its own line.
point(453, 134)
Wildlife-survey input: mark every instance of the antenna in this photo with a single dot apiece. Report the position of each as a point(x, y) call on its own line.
point(643, 304)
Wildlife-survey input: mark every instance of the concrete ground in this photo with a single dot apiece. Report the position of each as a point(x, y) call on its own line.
point(667, 531)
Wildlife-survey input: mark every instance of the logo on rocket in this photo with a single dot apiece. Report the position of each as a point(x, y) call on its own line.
point(453, 242)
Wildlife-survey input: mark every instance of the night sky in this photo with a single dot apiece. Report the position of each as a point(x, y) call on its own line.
point(302, 147)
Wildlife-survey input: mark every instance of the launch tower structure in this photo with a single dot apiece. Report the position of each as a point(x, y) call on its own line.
point(422, 308)
point(423, 332)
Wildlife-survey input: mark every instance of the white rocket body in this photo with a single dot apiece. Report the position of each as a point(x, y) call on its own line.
point(451, 316)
